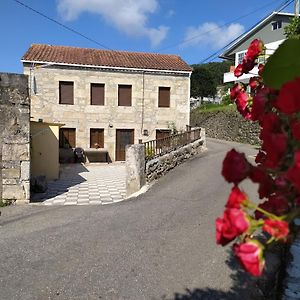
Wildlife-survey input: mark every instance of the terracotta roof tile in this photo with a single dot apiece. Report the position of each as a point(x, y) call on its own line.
point(105, 58)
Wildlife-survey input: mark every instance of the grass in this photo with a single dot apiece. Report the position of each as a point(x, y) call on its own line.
point(209, 107)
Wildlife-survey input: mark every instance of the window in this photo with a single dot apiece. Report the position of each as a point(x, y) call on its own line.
point(67, 138)
point(276, 25)
point(124, 95)
point(240, 57)
point(96, 138)
point(163, 96)
point(66, 92)
point(97, 94)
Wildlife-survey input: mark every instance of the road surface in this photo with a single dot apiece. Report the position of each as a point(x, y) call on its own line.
point(160, 245)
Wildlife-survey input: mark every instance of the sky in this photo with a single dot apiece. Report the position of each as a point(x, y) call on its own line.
point(192, 29)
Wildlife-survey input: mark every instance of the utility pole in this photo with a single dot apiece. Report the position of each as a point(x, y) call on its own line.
point(296, 8)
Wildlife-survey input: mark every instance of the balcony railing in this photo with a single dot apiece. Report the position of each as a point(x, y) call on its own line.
point(165, 145)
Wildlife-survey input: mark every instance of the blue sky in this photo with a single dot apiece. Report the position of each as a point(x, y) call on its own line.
point(133, 25)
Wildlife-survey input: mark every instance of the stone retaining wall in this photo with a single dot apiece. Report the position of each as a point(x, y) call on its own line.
point(14, 138)
point(159, 166)
point(227, 125)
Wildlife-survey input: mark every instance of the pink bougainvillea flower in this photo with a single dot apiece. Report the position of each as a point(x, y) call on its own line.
point(235, 167)
point(250, 255)
point(233, 223)
point(277, 228)
point(288, 100)
point(236, 198)
point(276, 204)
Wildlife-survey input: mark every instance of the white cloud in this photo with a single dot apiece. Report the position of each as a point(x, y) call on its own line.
point(212, 35)
point(128, 16)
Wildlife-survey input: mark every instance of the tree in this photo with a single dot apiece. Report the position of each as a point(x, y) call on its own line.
point(202, 83)
point(292, 31)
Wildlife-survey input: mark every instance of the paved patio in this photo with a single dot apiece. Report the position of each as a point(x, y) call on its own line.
point(81, 184)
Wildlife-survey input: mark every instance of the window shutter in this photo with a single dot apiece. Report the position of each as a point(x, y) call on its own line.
point(66, 94)
point(163, 97)
point(96, 137)
point(67, 136)
point(97, 94)
point(124, 97)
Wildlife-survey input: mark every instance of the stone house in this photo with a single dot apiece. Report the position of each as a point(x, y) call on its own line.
point(107, 99)
point(270, 30)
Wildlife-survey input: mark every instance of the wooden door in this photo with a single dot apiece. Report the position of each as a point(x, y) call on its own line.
point(123, 137)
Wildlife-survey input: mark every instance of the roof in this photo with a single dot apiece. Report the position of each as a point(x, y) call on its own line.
point(65, 55)
point(253, 29)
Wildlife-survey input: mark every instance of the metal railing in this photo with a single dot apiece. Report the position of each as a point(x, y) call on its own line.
point(162, 146)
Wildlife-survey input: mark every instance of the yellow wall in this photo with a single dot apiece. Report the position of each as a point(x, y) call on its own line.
point(44, 150)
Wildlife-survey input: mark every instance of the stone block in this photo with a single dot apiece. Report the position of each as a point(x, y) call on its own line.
point(13, 192)
point(10, 181)
point(11, 173)
point(25, 170)
point(26, 187)
point(15, 152)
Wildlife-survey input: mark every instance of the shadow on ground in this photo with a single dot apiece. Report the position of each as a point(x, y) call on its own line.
point(244, 286)
point(69, 176)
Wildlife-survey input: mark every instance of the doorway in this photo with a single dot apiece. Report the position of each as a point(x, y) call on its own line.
point(123, 137)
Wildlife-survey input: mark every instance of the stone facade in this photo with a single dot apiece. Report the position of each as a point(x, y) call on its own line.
point(159, 166)
point(15, 138)
point(144, 114)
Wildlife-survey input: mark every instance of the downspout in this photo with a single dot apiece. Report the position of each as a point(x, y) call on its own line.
point(143, 103)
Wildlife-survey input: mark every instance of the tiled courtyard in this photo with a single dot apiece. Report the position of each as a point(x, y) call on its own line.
point(81, 184)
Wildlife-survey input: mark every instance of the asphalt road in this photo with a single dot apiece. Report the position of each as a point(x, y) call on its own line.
point(160, 245)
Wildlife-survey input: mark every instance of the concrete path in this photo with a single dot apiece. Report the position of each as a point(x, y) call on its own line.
point(160, 245)
point(81, 184)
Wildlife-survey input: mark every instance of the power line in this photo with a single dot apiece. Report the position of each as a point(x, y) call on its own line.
point(215, 54)
point(224, 25)
point(62, 25)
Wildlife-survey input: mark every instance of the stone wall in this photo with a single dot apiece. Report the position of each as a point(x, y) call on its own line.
point(15, 138)
point(227, 125)
point(143, 114)
point(159, 166)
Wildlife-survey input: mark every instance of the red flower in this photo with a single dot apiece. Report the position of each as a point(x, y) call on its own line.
point(236, 198)
point(233, 223)
point(293, 173)
point(250, 255)
point(254, 82)
point(288, 100)
point(235, 167)
point(265, 181)
point(260, 69)
point(276, 228)
point(238, 71)
point(235, 90)
point(248, 64)
point(255, 49)
point(274, 144)
point(277, 205)
point(296, 129)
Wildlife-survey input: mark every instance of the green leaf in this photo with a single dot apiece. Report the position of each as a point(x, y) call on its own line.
point(283, 65)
